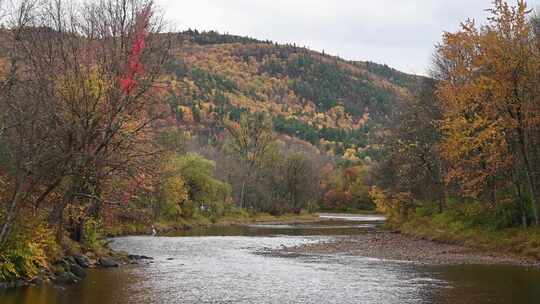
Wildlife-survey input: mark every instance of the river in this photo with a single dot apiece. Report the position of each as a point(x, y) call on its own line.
point(231, 265)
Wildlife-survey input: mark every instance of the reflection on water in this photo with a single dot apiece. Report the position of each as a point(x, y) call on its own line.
point(333, 228)
point(224, 269)
point(353, 217)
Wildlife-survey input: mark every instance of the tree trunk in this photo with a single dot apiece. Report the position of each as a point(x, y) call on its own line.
point(442, 201)
point(442, 198)
point(534, 201)
point(57, 215)
point(521, 200)
point(530, 182)
point(10, 216)
point(522, 141)
point(522, 206)
point(242, 193)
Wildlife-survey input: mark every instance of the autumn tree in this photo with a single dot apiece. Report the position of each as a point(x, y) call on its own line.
point(88, 77)
point(347, 188)
point(299, 181)
point(489, 91)
point(31, 158)
point(251, 140)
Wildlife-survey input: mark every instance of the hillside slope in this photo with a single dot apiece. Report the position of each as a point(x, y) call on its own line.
point(325, 100)
point(331, 103)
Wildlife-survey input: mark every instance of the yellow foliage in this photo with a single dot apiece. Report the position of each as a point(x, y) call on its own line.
point(350, 154)
point(395, 206)
point(173, 189)
point(488, 98)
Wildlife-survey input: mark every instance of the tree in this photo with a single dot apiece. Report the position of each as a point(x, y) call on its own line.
point(410, 160)
point(78, 100)
point(490, 94)
point(298, 181)
point(204, 190)
point(251, 140)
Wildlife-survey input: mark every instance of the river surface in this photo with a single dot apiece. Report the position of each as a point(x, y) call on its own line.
point(229, 265)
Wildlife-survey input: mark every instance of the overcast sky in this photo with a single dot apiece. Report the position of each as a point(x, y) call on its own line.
point(400, 33)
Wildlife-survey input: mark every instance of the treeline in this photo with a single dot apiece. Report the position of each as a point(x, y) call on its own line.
point(213, 37)
point(465, 150)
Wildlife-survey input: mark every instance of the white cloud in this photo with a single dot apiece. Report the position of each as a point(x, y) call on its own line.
point(400, 33)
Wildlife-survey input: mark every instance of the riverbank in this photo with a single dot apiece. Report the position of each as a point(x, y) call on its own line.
point(206, 268)
point(71, 266)
point(181, 224)
point(387, 245)
point(522, 242)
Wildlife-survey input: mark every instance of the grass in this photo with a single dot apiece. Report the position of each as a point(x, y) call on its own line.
point(237, 217)
point(523, 242)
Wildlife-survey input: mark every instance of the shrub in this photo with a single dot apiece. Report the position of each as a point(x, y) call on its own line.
point(27, 250)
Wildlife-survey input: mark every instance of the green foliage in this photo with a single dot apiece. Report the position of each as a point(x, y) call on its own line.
point(93, 234)
point(329, 84)
point(296, 128)
point(451, 227)
point(471, 214)
point(207, 81)
point(172, 190)
point(189, 188)
point(213, 37)
point(393, 75)
point(20, 262)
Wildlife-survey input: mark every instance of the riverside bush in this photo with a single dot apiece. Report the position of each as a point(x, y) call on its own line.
point(27, 251)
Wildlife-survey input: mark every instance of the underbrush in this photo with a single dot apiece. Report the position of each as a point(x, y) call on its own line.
point(473, 225)
point(233, 216)
point(27, 252)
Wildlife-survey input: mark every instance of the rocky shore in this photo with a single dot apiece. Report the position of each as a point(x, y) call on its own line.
point(387, 245)
point(72, 269)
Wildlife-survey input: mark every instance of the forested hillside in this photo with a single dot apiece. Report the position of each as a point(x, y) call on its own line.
point(327, 101)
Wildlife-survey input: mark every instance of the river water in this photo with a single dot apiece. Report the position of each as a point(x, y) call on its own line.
point(229, 265)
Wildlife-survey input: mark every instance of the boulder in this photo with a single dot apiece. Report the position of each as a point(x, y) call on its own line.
point(20, 283)
point(38, 281)
point(83, 261)
point(66, 278)
point(108, 262)
point(58, 269)
point(139, 257)
point(65, 265)
point(78, 271)
point(70, 260)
